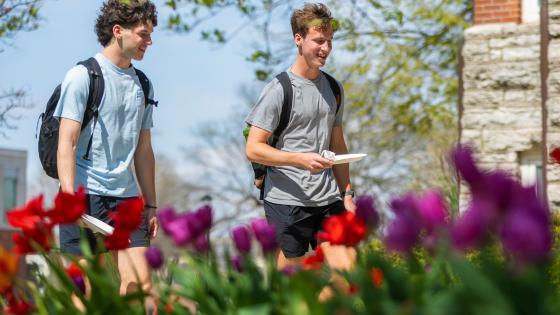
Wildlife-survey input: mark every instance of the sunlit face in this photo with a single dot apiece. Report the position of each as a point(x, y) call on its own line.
point(316, 46)
point(135, 40)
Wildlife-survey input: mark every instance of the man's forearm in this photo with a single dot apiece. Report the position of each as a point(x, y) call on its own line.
point(144, 163)
point(342, 176)
point(341, 171)
point(66, 165)
point(265, 154)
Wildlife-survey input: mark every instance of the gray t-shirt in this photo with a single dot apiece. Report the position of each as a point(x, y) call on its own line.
point(309, 129)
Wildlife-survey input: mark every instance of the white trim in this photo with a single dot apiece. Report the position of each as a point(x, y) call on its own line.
point(530, 11)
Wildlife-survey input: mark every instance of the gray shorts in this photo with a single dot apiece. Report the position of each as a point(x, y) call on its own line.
point(100, 207)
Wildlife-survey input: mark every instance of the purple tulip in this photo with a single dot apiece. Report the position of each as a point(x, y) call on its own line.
point(462, 158)
point(179, 231)
point(265, 233)
point(241, 239)
point(405, 205)
point(526, 230)
point(497, 187)
point(79, 283)
point(290, 270)
point(500, 205)
point(433, 211)
point(365, 210)
point(194, 223)
point(237, 263)
point(154, 257)
point(201, 243)
point(165, 217)
point(403, 232)
point(469, 230)
point(525, 238)
point(204, 216)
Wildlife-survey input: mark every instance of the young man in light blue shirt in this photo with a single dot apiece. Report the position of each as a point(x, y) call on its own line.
point(121, 158)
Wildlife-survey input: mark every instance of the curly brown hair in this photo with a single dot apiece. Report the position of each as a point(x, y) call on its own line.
point(126, 13)
point(312, 15)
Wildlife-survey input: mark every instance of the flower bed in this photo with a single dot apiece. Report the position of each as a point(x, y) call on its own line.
point(497, 257)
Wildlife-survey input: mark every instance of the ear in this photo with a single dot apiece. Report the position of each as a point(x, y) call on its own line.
point(117, 31)
point(298, 39)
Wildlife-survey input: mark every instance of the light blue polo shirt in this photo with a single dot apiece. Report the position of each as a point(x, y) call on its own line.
point(122, 114)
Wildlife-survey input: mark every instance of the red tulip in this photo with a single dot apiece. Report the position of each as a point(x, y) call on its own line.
point(343, 229)
point(128, 215)
point(315, 261)
point(118, 240)
point(68, 207)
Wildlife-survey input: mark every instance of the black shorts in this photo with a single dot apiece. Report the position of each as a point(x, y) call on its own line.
point(100, 207)
point(297, 226)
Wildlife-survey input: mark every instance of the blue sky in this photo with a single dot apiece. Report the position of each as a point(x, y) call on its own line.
point(194, 82)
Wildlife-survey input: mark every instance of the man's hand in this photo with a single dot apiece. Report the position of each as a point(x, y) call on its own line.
point(314, 162)
point(349, 204)
point(153, 223)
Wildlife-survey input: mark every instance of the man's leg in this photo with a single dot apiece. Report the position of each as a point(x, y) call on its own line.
point(135, 274)
point(134, 270)
point(339, 257)
point(282, 262)
point(69, 238)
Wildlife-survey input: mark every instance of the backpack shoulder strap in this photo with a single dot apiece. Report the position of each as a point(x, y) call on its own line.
point(286, 83)
point(335, 88)
point(145, 83)
point(96, 89)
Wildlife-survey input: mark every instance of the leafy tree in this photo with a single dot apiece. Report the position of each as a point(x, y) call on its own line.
point(18, 15)
point(15, 16)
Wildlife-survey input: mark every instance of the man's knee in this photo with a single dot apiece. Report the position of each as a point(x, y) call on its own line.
point(135, 285)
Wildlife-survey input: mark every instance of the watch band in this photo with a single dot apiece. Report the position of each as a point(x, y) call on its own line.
point(348, 193)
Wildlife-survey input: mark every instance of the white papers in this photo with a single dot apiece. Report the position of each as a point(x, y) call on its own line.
point(96, 225)
point(342, 158)
point(347, 158)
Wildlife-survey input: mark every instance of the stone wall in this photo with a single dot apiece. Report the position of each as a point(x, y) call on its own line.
point(502, 115)
point(553, 102)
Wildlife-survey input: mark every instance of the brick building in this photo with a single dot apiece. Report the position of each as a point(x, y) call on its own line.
point(510, 118)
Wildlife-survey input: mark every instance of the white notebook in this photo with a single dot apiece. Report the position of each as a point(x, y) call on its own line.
point(96, 225)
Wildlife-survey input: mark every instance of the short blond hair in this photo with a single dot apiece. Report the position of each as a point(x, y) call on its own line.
point(310, 16)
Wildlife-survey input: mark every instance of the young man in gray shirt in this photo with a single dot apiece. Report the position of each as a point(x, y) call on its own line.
point(301, 187)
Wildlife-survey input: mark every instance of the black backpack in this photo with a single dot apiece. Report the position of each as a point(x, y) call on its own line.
point(259, 170)
point(48, 134)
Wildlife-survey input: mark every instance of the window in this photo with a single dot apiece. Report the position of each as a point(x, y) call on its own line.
point(531, 171)
point(530, 11)
point(10, 188)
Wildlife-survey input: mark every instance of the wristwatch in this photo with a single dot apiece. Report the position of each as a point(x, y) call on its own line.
point(348, 193)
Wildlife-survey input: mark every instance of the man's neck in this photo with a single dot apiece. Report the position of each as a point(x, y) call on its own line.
point(301, 68)
point(115, 55)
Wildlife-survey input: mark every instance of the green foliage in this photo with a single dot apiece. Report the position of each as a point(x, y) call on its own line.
point(55, 293)
point(18, 15)
point(439, 282)
point(555, 270)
